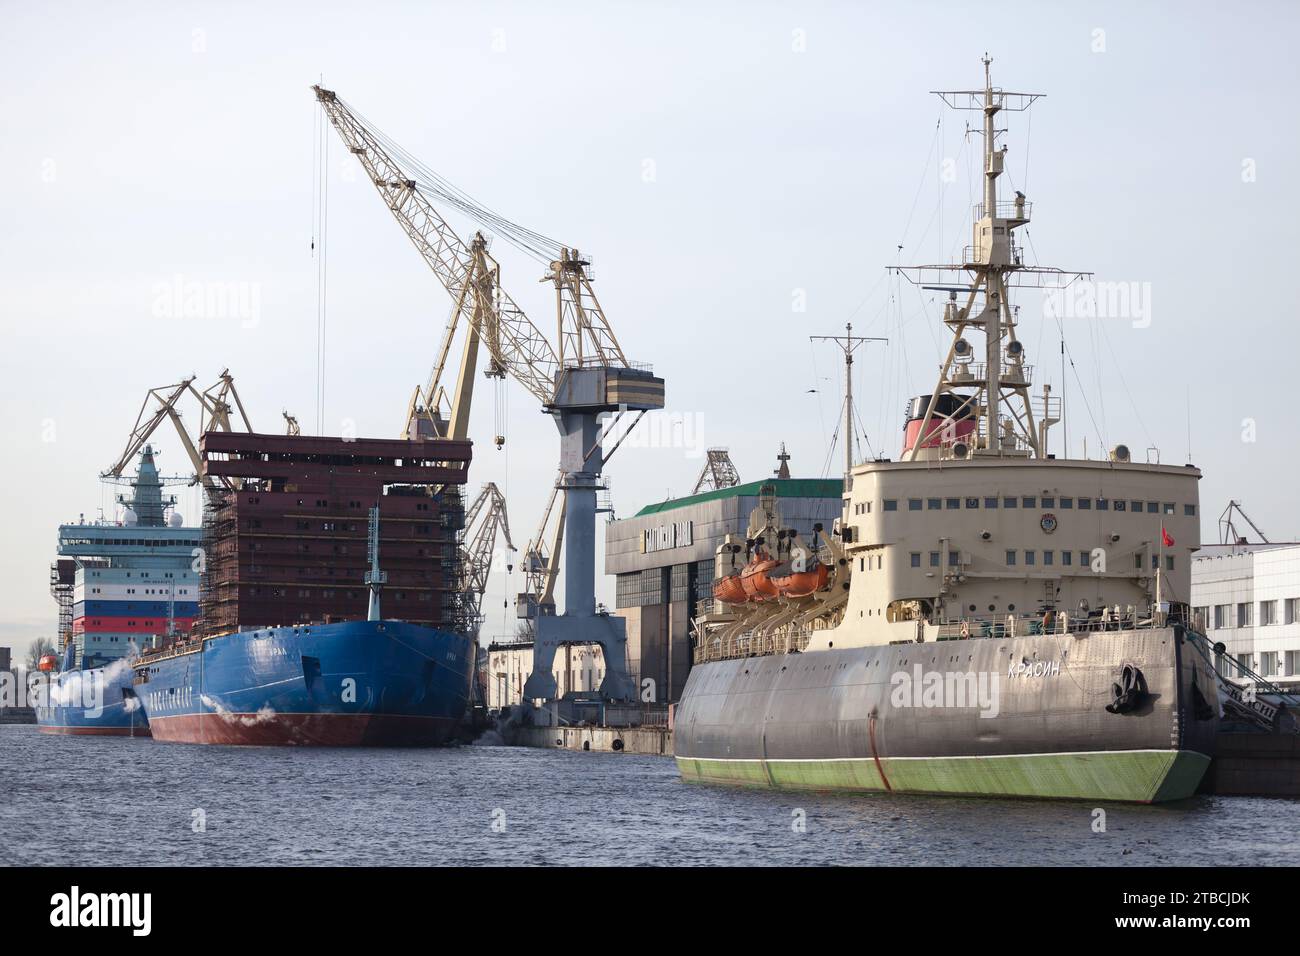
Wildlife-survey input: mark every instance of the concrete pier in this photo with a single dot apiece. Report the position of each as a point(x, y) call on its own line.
point(1258, 765)
point(655, 741)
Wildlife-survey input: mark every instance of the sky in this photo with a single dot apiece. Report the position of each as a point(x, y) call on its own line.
point(741, 176)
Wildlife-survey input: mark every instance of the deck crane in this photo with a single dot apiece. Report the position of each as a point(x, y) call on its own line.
point(216, 406)
point(581, 379)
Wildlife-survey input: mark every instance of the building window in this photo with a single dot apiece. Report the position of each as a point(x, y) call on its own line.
point(1221, 612)
point(1189, 511)
point(972, 502)
point(1292, 663)
point(1153, 507)
point(1103, 504)
point(1292, 610)
point(1085, 559)
point(1169, 507)
point(1268, 663)
point(1244, 616)
point(1267, 613)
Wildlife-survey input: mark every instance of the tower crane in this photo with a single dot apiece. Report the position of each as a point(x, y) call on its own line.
point(580, 378)
point(216, 406)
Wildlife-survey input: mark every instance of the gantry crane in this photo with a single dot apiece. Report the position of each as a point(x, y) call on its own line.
point(1228, 531)
point(583, 377)
point(485, 519)
point(215, 411)
point(718, 472)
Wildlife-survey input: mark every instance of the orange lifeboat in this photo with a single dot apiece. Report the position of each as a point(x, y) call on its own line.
point(800, 584)
point(48, 663)
point(754, 579)
point(730, 590)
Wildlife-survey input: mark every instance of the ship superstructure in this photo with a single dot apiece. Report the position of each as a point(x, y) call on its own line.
point(122, 586)
point(976, 560)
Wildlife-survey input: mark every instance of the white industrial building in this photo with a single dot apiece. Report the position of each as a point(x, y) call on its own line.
point(578, 668)
point(1248, 596)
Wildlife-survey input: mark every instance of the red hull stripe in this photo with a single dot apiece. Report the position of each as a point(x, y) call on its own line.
point(96, 731)
point(319, 730)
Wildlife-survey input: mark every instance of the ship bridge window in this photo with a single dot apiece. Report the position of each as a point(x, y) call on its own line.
point(1102, 504)
point(952, 503)
point(1067, 557)
point(913, 504)
point(1008, 502)
point(953, 559)
point(1047, 557)
point(1067, 504)
point(934, 559)
point(1030, 557)
point(916, 559)
point(990, 502)
point(1121, 505)
point(933, 504)
point(1136, 507)
point(972, 502)
point(1189, 511)
point(1153, 507)
point(1169, 507)
point(1011, 559)
point(1029, 502)
point(890, 504)
point(1085, 504)
point(1049, 502)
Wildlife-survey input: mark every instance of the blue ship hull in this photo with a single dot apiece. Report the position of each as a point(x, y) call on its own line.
point(356, 683)
point(112, 710)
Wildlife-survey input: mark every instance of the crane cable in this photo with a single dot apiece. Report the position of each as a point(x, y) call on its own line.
point(532, 243)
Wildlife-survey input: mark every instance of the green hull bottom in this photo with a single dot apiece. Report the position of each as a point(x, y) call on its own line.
point(1131, 776)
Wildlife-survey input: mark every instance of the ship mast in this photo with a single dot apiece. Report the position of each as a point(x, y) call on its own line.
point(995, 392)
point(848, 343)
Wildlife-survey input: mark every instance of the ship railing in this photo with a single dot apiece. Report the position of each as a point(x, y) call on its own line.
point(1005, 209)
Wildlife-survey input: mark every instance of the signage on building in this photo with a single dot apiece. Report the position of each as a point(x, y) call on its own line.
point(679, 534)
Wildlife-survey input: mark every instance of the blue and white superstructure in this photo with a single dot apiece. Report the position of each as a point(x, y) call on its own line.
point(122, 586)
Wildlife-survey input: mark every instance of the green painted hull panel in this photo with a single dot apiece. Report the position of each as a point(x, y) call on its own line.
point(1146, 776)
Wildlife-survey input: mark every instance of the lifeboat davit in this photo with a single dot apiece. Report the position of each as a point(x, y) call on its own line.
point(800, 584)
point(730, 591)
point(754, 579)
